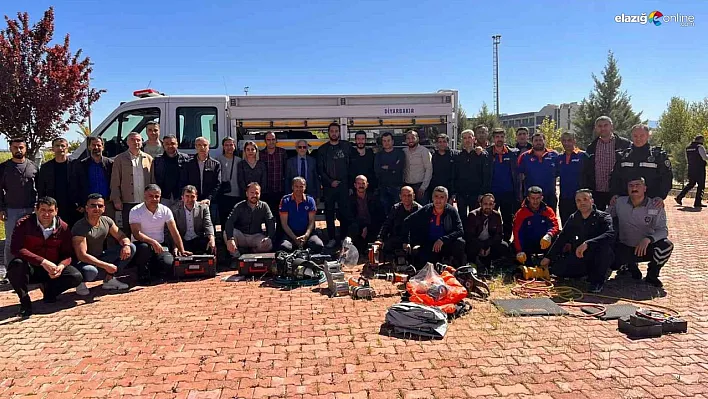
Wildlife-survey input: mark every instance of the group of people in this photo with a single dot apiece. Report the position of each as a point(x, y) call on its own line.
point(61, 232)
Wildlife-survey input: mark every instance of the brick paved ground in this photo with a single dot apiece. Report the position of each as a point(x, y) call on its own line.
point(210, 339)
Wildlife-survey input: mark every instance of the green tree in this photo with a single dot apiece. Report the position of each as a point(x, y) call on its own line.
point(678, 125)
point(485, 117)
point(463, 123)
point(605, 99)
point(552, 133)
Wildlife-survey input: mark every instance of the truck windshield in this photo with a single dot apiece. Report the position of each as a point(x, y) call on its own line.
point(128, 121)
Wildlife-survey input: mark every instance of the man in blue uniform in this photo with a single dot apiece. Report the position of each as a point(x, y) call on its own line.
point(569, 165)
point(538, 168)
point(505, 179)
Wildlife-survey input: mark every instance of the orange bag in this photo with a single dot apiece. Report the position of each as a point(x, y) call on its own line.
point(432, 289)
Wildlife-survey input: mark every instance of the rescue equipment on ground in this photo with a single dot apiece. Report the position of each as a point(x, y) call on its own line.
point(647, 323)
point(416, 319)
point(255, 264)
point(361, 289)
point(433, 289)
point(195, 265)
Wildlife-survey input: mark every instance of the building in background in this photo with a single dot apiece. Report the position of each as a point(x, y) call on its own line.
point(562, 114)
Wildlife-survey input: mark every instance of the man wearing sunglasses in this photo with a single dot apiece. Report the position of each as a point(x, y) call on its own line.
point(89, 239)
point(305, 166)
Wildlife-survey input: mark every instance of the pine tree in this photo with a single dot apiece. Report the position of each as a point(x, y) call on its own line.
point(605, 99)
point(485, 117)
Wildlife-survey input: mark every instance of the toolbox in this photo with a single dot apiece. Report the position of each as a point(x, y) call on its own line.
point(255, 264)
point(195, 265)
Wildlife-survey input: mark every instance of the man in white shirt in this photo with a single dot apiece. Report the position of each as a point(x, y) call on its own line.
point(147, 223)
point(419, 166)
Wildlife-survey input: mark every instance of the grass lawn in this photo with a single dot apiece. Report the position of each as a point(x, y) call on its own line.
point(2, 230)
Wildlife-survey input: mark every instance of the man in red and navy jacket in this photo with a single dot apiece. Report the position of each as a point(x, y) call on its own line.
point(537, 167)
point(535, 226)
point(42, 251)
point(570, 165)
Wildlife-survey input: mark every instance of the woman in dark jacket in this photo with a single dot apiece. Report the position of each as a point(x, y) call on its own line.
point(251, 169)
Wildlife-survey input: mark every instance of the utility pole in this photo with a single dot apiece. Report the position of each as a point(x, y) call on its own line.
point(245, 90)
point(496, 39)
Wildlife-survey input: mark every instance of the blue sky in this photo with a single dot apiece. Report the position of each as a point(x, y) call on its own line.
point(548, 49)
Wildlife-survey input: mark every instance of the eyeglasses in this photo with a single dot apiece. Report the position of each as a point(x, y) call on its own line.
point(97, 206)
point(304, 147)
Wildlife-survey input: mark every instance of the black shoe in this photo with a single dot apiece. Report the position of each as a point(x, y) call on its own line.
point(25, 307)
point(635, 272)
point(699, 206)
point(678, 200)
point(51, 299)
point(24, 312)
point(654, 280)
point(595, 288)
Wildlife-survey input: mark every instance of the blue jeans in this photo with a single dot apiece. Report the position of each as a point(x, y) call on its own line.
point(112, 255)
point(13, 215)
point(389, 196)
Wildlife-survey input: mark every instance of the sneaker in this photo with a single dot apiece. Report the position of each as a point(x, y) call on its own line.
point(595, 288)
point(678, 200)
point(82, 289)
point(114, 284)
point(331, 244)
point(653, 280)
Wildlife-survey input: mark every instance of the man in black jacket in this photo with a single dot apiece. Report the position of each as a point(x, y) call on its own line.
point(53, 181)
point(392, 235)
point(472, 174)
point(436, 229)
point(204, 173)
point(696, 157)
point(641, 160)
point(168, 169)
point(598, 167)
point(362, 163)
point(584, 246)
point(367, 215)
point(443, 166)
point(484, 232)
point(333, 167)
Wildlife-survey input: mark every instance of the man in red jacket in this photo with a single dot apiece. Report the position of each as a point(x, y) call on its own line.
point(41, 247)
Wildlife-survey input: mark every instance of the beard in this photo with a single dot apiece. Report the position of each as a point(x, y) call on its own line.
point(18, 155)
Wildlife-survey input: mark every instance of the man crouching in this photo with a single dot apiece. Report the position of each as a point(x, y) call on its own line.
point(584, 246)
point(437, 229)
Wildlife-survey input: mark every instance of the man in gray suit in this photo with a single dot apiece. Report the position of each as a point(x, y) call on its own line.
point(194, 223)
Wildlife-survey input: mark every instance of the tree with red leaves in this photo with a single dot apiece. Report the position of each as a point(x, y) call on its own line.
point(44, 88)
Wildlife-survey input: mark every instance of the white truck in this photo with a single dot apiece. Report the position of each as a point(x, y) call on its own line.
point(290, 117)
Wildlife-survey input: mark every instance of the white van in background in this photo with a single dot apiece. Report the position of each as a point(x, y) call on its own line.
point(290, 117)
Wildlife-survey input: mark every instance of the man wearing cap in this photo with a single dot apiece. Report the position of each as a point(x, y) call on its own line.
point(696, 156)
